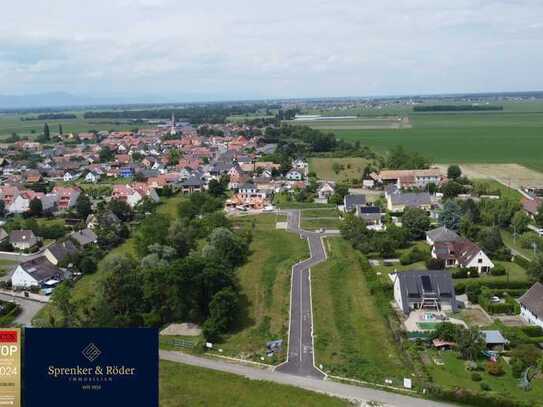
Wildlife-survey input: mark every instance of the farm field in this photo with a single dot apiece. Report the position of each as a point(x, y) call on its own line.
point(387, 122)
point(12, 123)
point(511, 175)
point(352, 338)
point(265, 290)
point(184, 385)
point(352, 167)
point(460, 145)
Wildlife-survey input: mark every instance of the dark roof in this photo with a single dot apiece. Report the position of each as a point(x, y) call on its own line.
point(414, 283)
point(22, 236)
point(351, 201)
point(61, 250)
point(411, 199)
point(84, 237)
point(462, 250)
point(442, 234)
point(42, 269)
point(193, 181)
point(533, 300)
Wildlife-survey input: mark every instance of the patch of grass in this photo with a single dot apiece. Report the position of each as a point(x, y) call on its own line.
point(352, 337)
point(513, 273)
point(265, 290)
point(507, 237)
point(282, 201)
point(491, 186)
point(318, 223)
point(183, 385)
point(317, 213)
point(454, 374)
point(352, 167)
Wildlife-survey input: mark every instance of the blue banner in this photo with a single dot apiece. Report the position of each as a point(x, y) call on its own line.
point(90, 367)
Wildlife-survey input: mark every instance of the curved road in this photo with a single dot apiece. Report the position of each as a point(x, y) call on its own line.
point(300, 357)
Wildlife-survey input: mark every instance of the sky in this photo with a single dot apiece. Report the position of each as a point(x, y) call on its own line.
point(243, 49)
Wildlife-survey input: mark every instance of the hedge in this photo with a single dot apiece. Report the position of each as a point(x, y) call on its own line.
point(473, 398)
point(521, 261)
point(461, 286)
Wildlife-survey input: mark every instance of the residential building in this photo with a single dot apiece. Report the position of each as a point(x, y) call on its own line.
point(531, 305)
point(294, 175)
point(84, 237)
point(23, 239)
point(352, 202)
point(441, 234)
point(433, 289)
point(36, 273)
point(60, 251)
point(462, 253)
point(398, 201)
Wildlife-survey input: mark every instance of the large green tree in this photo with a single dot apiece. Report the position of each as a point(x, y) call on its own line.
point(416, 221)
point(450, 215)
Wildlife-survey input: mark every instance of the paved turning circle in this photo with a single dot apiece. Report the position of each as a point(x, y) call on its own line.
point(300, 358)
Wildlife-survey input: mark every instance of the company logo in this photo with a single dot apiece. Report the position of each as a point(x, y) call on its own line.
point(91, 352)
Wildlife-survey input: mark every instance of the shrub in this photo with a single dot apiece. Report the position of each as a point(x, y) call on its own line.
point(532, 330)
point(473, 273)
point(460, 273)
point(521, 261)
point(405, 259)
point(494, 368)
point(485, 387)
point(498, 270)
point(435, 264)
point(517, 367)
point(476, 377)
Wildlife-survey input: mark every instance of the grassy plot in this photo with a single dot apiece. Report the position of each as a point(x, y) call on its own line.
point(183, 385)
point(453, 374)
point(347, 168)
point(352, 337)
point(491, 187)
point(284, 201)
point(514, 244)
point(326, 218)
point(265, 290)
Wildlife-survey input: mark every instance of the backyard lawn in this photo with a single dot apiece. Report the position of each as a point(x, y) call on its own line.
point(453, 374)
point(352, 337)
point(265, 289)
point(183, 385)
point(348, 168)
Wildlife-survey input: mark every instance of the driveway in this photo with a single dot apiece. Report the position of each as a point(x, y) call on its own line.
point(29, 308)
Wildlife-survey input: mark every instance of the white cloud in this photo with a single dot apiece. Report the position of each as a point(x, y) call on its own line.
point(283, 48)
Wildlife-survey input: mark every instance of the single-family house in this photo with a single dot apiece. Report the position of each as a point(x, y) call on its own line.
point(372, 215)
point(398, 201)
point(352, 201)
point(531, 205)
point(36, 273)
point(441, 234)
point(23, 239)
point(432, 289)
point(66, 197)
point(325, 191)
point(192, 184)
point(531, 305)
point(60, 251)
point(294, 175)
point(462, 253)
point(84, 237)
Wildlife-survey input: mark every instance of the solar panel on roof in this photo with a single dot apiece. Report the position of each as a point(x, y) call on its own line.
point(426, 283)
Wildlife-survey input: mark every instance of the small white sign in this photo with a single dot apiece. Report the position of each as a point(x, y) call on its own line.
point(407, 383)
point(209, 345)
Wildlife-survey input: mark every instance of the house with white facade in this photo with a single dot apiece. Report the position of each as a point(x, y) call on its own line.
point(531, 305)
point(462, 253)
point(36, 273)
point(294, 175)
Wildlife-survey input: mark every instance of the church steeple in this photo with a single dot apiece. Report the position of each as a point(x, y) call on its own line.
point(173, 131)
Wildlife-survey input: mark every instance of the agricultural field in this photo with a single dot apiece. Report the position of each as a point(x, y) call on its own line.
point(345, 169)
point(512, 175)
point(265, 289)
point(12, 123)
point(352, 337)
point(514, 135)
point(359, 123)
point(184, 385)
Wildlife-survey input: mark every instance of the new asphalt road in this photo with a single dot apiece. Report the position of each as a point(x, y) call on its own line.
point(345, 391)
point(300, 358)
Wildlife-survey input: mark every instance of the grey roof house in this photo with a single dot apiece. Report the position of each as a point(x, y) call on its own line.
point(23, 239)
point(59, 251)
point(531, 305)
point(84, 237)
point(433, 289)
point(441, 234)
point(352, 201)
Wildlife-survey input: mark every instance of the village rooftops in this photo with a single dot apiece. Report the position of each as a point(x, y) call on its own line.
point(441, 234)
point(351, 201)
